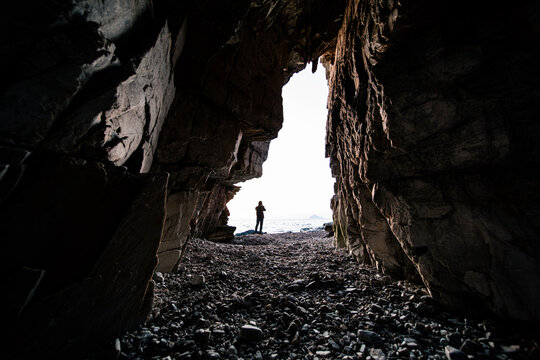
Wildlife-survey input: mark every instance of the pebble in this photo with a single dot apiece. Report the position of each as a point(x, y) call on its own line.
point(303, 299)
point(370, 337)
point(377, 354)
point(197, 280)
point(323, 353)
point(232, 350)
point(211, 354)
point(334, 345)
point(509, 349)
point(158, 277)
point(250, 333)
point(202, 336)
point(454, 354)
point(471, 347)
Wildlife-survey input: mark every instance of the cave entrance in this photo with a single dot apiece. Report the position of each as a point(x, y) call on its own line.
point(296, 185)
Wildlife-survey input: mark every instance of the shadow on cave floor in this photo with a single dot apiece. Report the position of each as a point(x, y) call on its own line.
point(294, 296)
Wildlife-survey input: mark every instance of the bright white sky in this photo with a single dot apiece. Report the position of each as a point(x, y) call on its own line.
point(296, 181)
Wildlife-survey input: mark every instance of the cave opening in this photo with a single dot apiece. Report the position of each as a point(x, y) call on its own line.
point(125, 126)
point(296, 185)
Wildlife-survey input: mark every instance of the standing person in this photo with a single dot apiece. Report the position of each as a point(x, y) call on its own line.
point(260, 216)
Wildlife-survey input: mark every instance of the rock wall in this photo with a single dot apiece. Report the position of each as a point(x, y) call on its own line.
point(431, 135)
point(96, 95)
point(81, 108)
point(228, 106)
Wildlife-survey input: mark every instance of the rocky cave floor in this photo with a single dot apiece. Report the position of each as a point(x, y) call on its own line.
point(293, 296)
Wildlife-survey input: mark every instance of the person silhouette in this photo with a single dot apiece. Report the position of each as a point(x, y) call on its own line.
point(260, 217)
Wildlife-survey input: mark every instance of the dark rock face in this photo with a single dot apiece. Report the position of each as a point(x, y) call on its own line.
point(80, 98)
point(64, 269)
point(228, 106)
point(427, 143)
point(125, 125)
point(97, 93)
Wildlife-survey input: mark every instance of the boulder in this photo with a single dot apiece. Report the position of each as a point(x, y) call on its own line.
point(222, 233)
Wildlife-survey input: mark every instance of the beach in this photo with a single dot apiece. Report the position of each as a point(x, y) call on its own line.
point(295, 296)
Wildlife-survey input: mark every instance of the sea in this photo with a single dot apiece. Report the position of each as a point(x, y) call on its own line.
point(276, 226)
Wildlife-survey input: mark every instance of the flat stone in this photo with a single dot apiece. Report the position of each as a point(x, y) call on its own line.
point(510, 348)
point(323, 353)
point(410, 342)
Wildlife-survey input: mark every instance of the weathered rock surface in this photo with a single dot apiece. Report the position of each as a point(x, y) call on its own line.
point(96, 92)
point(180, 210)
point(222, 120)
point(111, 125)
point(87, 89)
point(431, 143)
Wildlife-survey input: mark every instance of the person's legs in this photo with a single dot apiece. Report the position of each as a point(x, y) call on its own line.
point(257, 224)
point(260, 229)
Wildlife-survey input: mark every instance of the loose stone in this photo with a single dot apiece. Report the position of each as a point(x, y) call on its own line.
point(454, 354)
point(250, 333)
point(197, 280)
point(370, 337)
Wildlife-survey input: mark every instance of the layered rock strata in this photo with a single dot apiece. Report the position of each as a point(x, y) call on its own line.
point(431, 133)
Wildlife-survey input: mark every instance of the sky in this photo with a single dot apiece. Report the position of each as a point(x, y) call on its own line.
point(296, 181)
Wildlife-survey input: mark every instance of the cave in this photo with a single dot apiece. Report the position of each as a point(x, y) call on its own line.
point(126, 125)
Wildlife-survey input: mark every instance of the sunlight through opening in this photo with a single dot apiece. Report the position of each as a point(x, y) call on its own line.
point(296, 185)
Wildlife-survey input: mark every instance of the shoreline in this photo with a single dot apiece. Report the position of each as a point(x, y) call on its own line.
point(248, 233)
point(278, 226)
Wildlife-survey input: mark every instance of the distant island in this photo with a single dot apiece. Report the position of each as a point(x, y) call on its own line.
point(316, 217)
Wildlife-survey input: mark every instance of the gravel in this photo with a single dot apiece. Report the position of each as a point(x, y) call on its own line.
point(294, 296)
